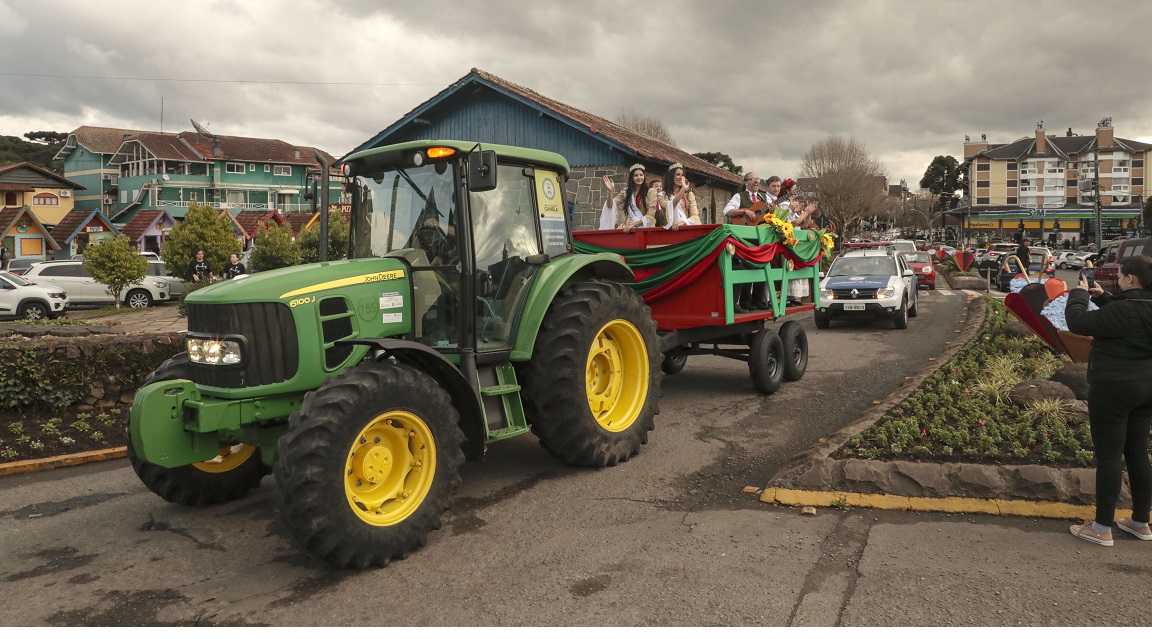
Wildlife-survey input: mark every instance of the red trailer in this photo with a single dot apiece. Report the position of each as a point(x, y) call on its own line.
point(688, 278)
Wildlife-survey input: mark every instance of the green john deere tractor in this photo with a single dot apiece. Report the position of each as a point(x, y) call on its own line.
point(462, 317)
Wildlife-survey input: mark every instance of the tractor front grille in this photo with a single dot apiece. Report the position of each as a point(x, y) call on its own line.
point(271, 352)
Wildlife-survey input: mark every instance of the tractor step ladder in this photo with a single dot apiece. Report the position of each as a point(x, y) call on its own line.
point(508, 391)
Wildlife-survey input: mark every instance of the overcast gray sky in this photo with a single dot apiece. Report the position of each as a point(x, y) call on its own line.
point(761, 81)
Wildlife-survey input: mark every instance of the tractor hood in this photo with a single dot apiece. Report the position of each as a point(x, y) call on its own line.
point(284, 284)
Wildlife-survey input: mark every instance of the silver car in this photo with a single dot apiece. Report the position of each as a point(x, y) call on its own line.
point(177, 286)
point(78, 283)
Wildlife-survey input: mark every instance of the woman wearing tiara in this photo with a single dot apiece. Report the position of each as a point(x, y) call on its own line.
point(679, 204)
point(630, 208)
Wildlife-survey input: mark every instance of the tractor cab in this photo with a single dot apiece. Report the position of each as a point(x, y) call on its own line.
point(474, 228)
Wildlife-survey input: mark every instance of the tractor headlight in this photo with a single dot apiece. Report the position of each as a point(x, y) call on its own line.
point(885, 293)
point(221, 352)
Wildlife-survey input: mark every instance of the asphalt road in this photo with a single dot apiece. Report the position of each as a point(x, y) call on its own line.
point(666, 539)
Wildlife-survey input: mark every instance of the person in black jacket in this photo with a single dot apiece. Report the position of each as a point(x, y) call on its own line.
point(1024, 253)
point(1119, 394)
point(235, 269)
point(200, 271)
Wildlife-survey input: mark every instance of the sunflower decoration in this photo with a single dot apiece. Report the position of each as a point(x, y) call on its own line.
point(778, 220)
point(827, 242)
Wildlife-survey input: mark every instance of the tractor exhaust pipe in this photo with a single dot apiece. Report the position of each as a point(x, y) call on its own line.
point(323, 185)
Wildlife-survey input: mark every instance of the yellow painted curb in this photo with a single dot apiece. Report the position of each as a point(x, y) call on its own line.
point(1013, 507)
point(59, 461)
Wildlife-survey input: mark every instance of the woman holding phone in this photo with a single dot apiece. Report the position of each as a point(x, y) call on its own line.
point(1119, 394)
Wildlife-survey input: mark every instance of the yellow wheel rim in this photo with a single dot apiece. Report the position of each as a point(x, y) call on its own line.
point(617, 375)
point(228, 458)
point(390, 467)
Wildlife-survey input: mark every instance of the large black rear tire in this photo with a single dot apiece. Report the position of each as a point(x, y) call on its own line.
point(795, 343)
point(368, 465)
point(592, 388)
point(231, 475)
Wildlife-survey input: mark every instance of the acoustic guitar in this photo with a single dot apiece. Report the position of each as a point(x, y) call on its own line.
point(742, 219)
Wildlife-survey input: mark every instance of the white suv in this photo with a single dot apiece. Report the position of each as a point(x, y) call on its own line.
point(22, 299)
point(74, 278)
point(868, 284)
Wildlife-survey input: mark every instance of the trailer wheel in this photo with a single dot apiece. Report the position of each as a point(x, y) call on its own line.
point(674, 362)
point(795, 350)
point(368, 465)
point(592, 388)
point(766, 361)
point(230, 475)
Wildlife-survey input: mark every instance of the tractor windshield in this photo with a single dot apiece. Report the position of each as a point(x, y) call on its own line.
point(406, 208)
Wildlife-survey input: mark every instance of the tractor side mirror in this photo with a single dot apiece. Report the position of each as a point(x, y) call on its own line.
point(481, 171)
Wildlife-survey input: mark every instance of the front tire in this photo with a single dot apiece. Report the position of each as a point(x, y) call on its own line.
point(822, 320)
point(138, 298)
point(368, 465)
point(592, 388)
point(900, 319)
point(33, 311)
point(914, 310)
point(230, 475)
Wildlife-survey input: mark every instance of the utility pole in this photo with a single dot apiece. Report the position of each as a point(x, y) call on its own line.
point(1096, 198)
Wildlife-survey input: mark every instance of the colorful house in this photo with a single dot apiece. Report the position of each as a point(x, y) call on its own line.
point(79, 229)
point(250, 221)
point(146, 170)
point(22, 233)
point(50, 196)
point(148, 229)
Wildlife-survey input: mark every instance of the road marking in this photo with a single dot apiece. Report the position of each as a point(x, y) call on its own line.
point(944, 292)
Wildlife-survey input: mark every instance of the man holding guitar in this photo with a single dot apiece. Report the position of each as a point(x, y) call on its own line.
point(746, 207)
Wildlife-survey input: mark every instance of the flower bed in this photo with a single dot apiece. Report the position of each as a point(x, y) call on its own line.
point(962, 412)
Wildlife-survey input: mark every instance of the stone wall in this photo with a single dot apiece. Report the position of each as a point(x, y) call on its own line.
point(585, 188)
point(83, 371)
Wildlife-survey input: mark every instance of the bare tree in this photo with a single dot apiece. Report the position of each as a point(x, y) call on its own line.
point(848, 181)
point(647, 124)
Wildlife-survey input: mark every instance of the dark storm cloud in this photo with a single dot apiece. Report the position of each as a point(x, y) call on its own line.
point(759, 81)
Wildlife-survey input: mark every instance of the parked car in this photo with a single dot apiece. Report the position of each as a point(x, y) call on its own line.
point(869, 283)
point(1108, 266)
point(1071, 259)
point(921, 264)
point(22, 299)
point(74, 278)
point(1039, 261)
point(19, 265)
point(997, 251)
point(177, 286)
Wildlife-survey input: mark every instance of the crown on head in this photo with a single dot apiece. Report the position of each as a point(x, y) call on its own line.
point(634, 167)
point(675, 166)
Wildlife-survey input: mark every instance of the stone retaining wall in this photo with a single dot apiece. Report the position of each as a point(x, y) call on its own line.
point(86, 369)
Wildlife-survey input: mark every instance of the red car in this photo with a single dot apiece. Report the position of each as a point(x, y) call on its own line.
point(921, 264)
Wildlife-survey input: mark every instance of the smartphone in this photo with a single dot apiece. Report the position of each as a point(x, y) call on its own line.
point(1089, 274)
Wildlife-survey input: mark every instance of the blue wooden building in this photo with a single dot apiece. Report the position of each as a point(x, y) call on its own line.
point(486, 108)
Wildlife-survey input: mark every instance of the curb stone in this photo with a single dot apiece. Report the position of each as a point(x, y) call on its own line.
point(60, 461)
point(813, 478)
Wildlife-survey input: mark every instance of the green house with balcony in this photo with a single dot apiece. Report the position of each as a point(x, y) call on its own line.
point(153, 171)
